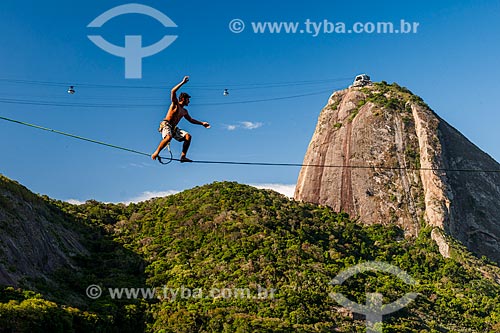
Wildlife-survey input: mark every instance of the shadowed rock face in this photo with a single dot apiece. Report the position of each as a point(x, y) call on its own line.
point(475, 208)
point(34, 241)
point(379, 153)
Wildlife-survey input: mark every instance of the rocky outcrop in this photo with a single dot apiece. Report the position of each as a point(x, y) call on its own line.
point(381, 154)
point(34, 240)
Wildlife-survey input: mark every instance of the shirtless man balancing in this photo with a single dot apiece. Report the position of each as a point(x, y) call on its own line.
point(168, 127)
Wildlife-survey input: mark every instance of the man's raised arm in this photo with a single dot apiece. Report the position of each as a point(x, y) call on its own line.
point(173, 95)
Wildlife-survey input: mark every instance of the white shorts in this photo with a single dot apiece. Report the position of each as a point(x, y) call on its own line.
point(177, 133)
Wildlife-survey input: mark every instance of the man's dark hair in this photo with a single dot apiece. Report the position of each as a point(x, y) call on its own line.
point(184, 95)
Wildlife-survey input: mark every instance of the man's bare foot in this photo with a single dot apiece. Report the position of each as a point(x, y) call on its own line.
point(154, 156)
point(185, 159)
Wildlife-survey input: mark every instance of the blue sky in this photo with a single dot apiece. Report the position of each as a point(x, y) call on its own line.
point(452, 62)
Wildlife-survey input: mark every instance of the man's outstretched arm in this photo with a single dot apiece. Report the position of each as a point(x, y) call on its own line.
point(173, 93)
point(196, 122)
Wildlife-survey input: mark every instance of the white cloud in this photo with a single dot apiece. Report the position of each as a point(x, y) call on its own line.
point(149, 195)
point(75, 202)
point(250, 125)
point(139, 165)
point(286, 189)
point(244, 125)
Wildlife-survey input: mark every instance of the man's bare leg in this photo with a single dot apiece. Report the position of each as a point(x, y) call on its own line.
point(185, 147)
point(163, 144)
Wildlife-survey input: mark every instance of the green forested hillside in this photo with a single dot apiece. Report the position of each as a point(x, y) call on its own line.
point(227, 237)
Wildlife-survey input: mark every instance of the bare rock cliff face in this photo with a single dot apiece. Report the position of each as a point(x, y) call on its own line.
point(34, 240)
point(381, 154)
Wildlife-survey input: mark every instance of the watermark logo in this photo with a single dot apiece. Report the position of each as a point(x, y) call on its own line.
point(237, 26)
point(93, 291)
point(324, 27)
point(173, 294)
point(374, 309)
point(133, 51)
